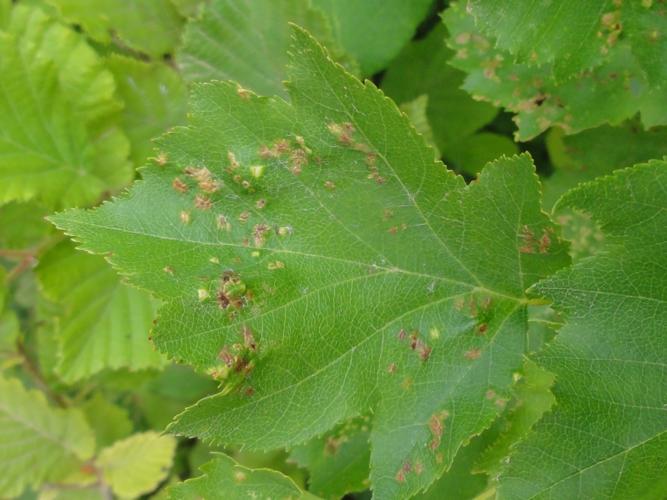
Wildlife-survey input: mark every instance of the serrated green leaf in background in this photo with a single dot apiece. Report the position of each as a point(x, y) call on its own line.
point(338, 461)
point(246, 41)
point(267, 211)
point(606, 437)
point(422, 69)
point(223, 474)
point(597, 152)
point(608, 94)
point(155, 100)
point(109, 421)
point(374, 31)
point(39, 443)
point(576, 36)
point(104, 323)
point(137, 464)
point(148, 26)
point(56, 144)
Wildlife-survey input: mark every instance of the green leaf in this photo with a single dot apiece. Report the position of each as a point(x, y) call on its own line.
point(416, 112)
point(148, 26)
point(606, 436)
point(247, 42)
point(23, 225)
point(188, 8)
point(422, 68)
point(333, 226)
point(110, 421)
point(104, 323)
point(461, 482)
point(155, 100)
point(577, 36)
point(39, 443)
point(374, 31)
point(223, 474)
point(471, 153)
point(592, 153)
point(136, 465)
point(610, 93)
point(56, 143)
point(338, 461)
point(532, 398)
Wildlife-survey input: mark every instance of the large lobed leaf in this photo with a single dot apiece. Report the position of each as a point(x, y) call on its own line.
point(316, 259)
point(39, 443)
point(606, 437)
point(611, 91)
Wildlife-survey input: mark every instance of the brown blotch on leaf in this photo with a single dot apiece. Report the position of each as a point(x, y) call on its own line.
point(185, 217)
point(436, 424)
point(473, 354)
point(223, 223)
point(179, 185)
point(203, 202)
point(249, 339)
point(330, 185)
point(391, 368)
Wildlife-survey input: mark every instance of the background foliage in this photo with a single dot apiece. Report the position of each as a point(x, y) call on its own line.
point(211, 294)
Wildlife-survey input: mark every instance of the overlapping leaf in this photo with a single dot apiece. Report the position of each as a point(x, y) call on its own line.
point(611, 92)
point(149, 26)
point(223, 474)
point(577, 36)
point(273, 230)
point(39, 443)
point(606, 436)
point(55, 144)
point(136, 465)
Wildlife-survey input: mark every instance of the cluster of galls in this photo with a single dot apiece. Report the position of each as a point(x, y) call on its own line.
point(344, 134)
point(238, 361)
point(232, 291)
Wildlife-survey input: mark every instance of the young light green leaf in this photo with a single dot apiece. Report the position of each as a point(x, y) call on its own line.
point(148, 26)
point(136, 465)
point(155, 100)
point(577, 36)
point(274, 229)
point(338, 461)
point(104, 323)
point(610, 93)
point(606, 436)
point(109, 421)
point(374, 31)
point(422, 69)
point(582, 157)
point(39, 443)
point(237, 482)
point(247, 42)
point(56, 142)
